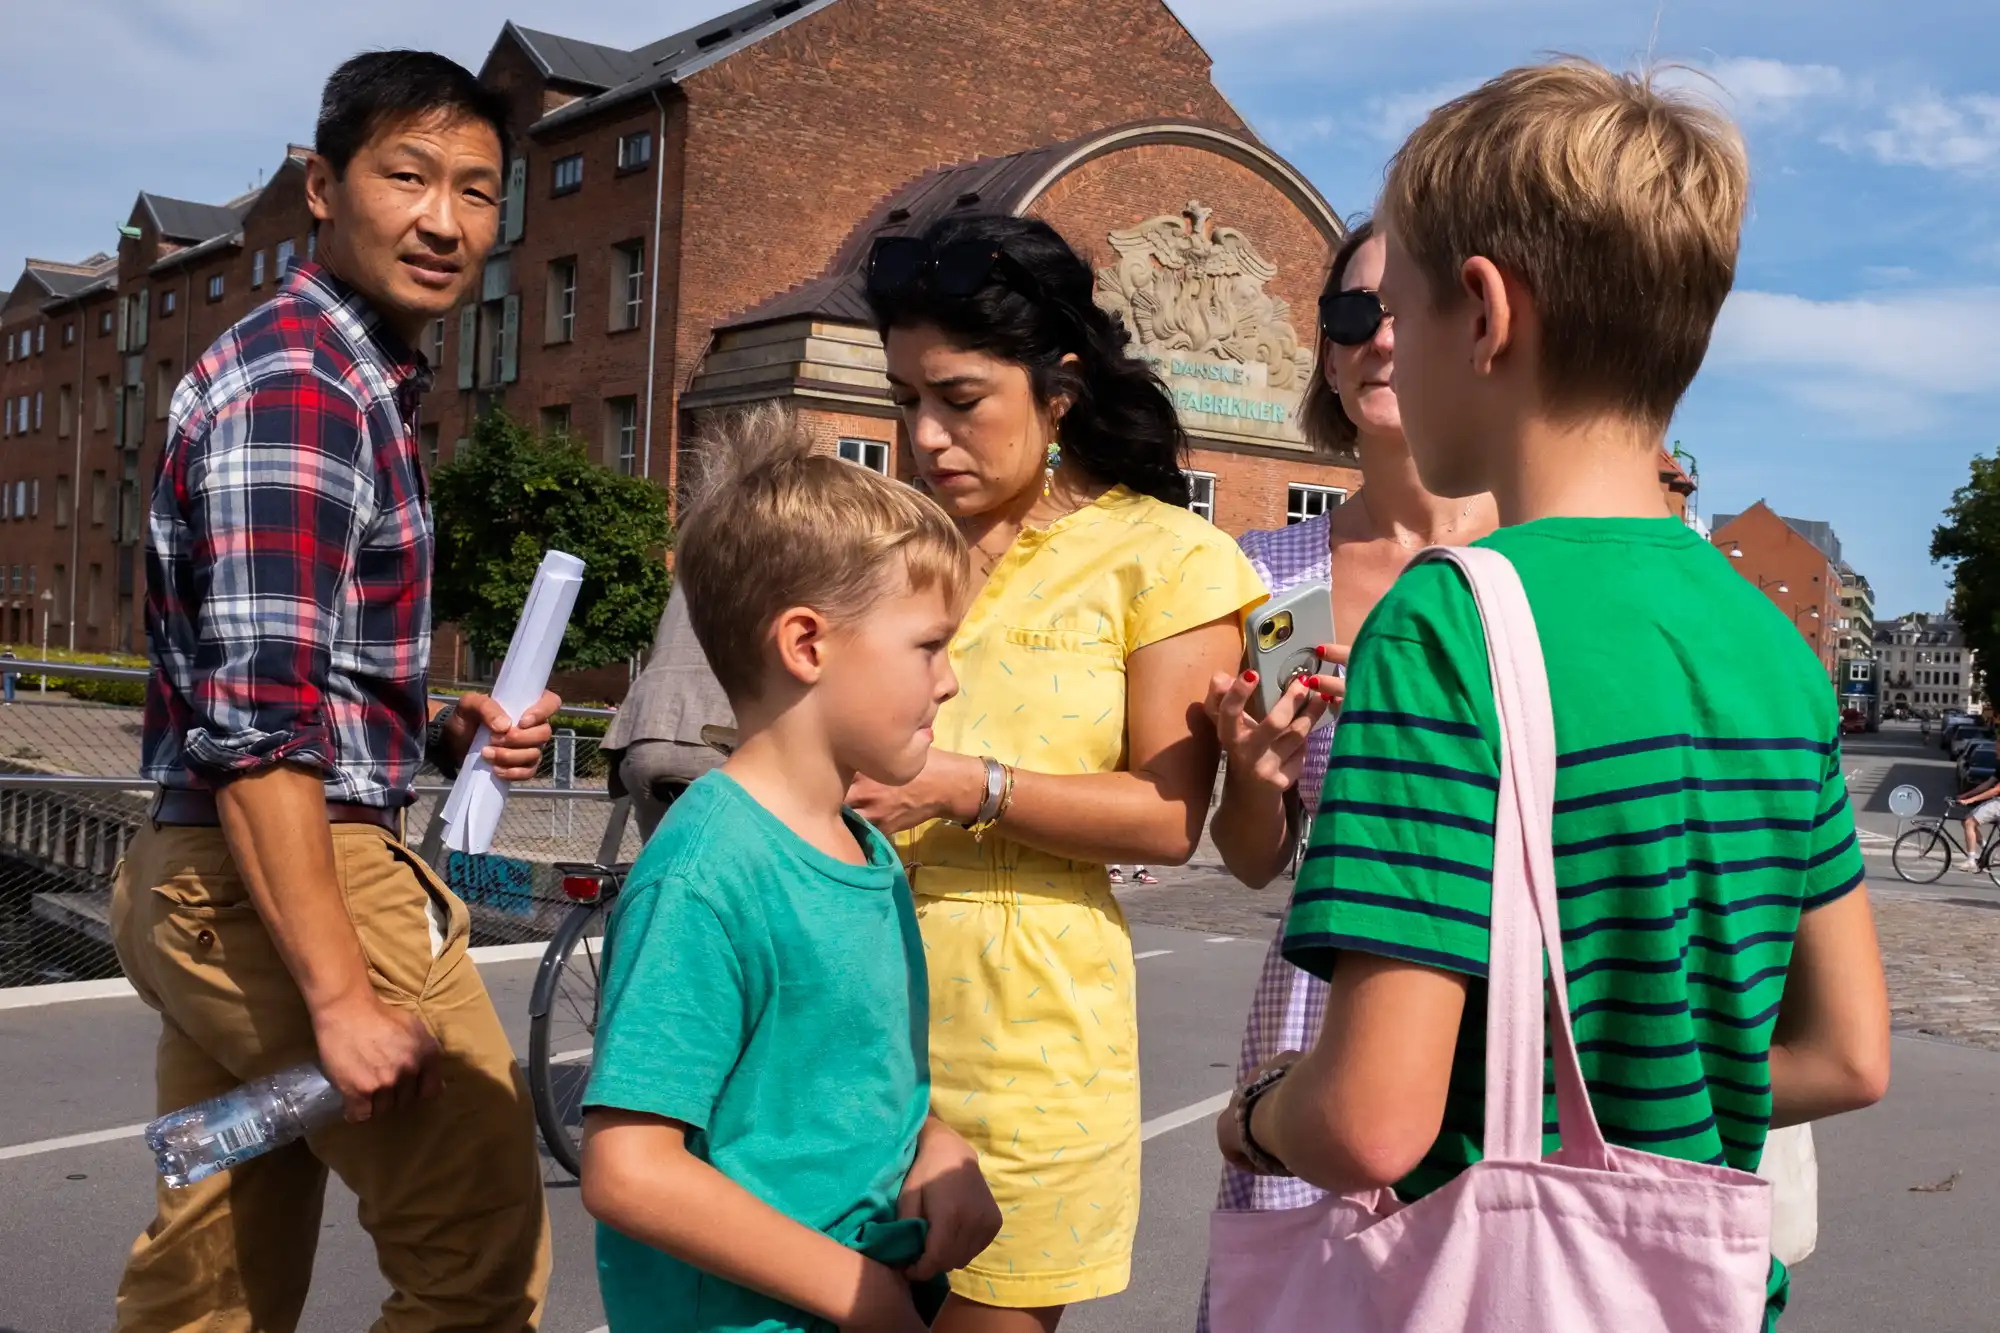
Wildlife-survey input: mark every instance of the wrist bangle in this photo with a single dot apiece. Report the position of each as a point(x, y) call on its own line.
point(989, 800)
point(1262, 1160)
point(1001, 807)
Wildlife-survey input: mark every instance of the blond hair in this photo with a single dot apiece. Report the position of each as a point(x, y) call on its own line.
point(776, 525)
point(1617, 202)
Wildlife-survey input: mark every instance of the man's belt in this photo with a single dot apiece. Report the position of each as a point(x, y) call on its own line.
point(181, 805)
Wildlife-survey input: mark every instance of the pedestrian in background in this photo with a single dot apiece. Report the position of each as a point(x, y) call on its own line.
point(1077, 738)
point(1276, 765)
point(270, 911)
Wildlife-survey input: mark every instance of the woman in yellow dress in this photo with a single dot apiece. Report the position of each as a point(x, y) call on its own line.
point(1077, 739)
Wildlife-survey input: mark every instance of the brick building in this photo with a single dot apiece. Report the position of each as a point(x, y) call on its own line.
point(1797, 564)
point(681, 232)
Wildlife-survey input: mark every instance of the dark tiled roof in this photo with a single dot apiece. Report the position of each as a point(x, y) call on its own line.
point(184, 220)
point(621, 76)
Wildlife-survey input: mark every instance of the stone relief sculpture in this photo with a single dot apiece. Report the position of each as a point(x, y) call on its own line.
point(1183, 284)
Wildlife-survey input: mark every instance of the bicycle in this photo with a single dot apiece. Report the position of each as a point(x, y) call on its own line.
point(562, 1009)
point(1929, 848)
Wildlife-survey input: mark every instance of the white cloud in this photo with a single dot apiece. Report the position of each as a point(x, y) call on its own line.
point(1755, 88)
point(1894, 363)
point(1959, 134)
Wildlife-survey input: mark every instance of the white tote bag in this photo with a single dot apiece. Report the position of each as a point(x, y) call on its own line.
point(1792, 1167)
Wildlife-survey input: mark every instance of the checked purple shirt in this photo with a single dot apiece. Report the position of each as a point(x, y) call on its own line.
point(289, 554)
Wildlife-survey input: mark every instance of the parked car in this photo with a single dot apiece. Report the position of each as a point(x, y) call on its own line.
point(1853, 722)
point(1955, 734)
point(1968, 736)
point(1976, 765)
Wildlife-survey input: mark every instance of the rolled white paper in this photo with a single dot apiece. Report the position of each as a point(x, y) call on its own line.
point(472, 811)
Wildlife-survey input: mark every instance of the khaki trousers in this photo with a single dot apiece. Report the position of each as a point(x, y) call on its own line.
point(450, 1191)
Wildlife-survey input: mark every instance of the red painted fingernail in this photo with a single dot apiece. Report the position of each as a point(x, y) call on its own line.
point(1250, 677)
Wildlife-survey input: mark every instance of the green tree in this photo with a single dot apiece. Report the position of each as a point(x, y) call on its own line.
point(511, 495)
point(1969, 542)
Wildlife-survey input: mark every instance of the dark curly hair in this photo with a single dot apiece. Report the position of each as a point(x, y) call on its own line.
point(1121, 427)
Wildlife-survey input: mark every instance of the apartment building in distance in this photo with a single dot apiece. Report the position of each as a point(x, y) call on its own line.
point(1794, 562)
point(1924, 666)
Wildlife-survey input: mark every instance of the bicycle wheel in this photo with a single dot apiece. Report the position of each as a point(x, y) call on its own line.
point(562, 1032)
point(1922, 855)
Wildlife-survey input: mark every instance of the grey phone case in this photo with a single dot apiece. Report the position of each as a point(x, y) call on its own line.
point(1281, 640)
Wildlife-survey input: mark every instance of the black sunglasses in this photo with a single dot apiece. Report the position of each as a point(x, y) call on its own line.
point(899, 264)
point(1351, 318)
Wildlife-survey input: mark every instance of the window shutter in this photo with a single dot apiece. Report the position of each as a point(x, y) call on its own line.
point(142, 307)
point(510, 339)
point(118, 416)
point(517, 198)
point(468, 345)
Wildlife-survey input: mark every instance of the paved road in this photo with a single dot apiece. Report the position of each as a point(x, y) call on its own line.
point(1891, 1256)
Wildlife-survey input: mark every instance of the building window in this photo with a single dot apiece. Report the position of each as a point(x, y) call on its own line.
point(35, 501)
point(163, 390)
point(20, 508)
point(427, 442)
point(628, 284)
point(65, 410)
point(69, 334)
point(101, 402)
point(63, 500)
point(100, 505)
point(104, 324)
point(635, 150)
point(256, 271)
point(555, 420)
point(214, 288)
point(41, 338)
point(568, 174)
point(871, 454)
point(170, 301)
point(7, 421)
point(1201, 489)
point(1304, 502)
point(38, 409)
point(27, 342)
point(621, 418)
point(285, 249)
point(559, 320)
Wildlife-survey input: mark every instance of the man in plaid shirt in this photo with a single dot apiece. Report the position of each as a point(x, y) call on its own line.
point(271, 912)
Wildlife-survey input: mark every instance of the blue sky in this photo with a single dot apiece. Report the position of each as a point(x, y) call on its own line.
point(1857, 367)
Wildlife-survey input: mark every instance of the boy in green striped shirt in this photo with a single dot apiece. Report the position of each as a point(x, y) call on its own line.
point(1560, 242)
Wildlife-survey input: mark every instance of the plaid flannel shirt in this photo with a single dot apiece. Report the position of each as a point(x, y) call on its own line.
point(288, 566)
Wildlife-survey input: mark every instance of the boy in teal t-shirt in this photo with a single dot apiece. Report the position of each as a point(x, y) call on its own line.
point(1559, 243)
point(758, 1146)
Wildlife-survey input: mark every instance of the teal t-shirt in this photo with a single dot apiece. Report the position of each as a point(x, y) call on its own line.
point(775, 1000)
point(1699, 810)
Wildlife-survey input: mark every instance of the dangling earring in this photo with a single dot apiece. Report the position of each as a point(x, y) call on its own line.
point(1049, 473)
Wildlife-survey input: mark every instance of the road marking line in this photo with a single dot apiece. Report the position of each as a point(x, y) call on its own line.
point(1221, 939)
point(1187, 1115)
point(568, 1057)
point(117, 988)
point(1151, 953)
point(40, 1146)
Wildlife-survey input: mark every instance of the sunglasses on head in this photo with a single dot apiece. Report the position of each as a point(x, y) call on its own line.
point(899, 264)
point(1351, 318)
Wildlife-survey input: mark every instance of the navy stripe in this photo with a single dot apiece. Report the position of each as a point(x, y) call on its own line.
point(1624, 1134)
point(1746, 1022)
point(1838, 849)
point(1411, 860)
point(1637, 1050)
point(1408, 814)
point(1740, 946)
point(1625, 794)
point(1650, 966)
point(1838, 891)
point(1326, 940)
point(1394, 902)
point(1636, 1008)
point(1751, 825)
point(1631, 1093)
point(1645, 837)
point(1832, 812)
point(1746, 1089)
point(1648, 923)
point(1762, 1057)
point(1629, 838)
point(1368, 763)
point(1743, 1146)
point(1650, 744)
point(1366, 717)
point(1749, 983)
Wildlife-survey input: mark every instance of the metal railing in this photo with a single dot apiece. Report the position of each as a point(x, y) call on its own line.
point(71, 802)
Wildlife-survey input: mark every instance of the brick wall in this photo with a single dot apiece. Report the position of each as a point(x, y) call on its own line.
point(1773, 554)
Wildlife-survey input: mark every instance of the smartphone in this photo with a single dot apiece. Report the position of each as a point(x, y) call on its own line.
point(1281, 640)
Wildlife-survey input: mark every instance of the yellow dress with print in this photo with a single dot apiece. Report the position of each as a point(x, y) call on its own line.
point(1034, 1040)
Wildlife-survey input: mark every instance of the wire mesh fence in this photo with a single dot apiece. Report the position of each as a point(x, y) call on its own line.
point(71, 801)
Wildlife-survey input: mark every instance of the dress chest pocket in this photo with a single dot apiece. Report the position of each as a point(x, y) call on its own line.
point(1066, 707)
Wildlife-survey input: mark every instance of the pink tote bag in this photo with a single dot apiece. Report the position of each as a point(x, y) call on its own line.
point(1591, 1239)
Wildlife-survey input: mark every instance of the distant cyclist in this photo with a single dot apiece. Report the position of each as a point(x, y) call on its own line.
point(1982, 808)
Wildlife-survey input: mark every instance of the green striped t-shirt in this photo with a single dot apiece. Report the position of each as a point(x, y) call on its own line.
point(1699, 809)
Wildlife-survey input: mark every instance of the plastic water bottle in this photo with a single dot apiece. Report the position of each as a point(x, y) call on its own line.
point(197, 1141)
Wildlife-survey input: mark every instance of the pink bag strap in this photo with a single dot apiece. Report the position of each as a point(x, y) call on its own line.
point(1524, 885)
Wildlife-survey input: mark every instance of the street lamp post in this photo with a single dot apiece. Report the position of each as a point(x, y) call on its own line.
point(48, 603)
point(1773, 585)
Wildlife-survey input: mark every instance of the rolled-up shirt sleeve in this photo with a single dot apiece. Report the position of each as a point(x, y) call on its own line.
point(277, 496)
